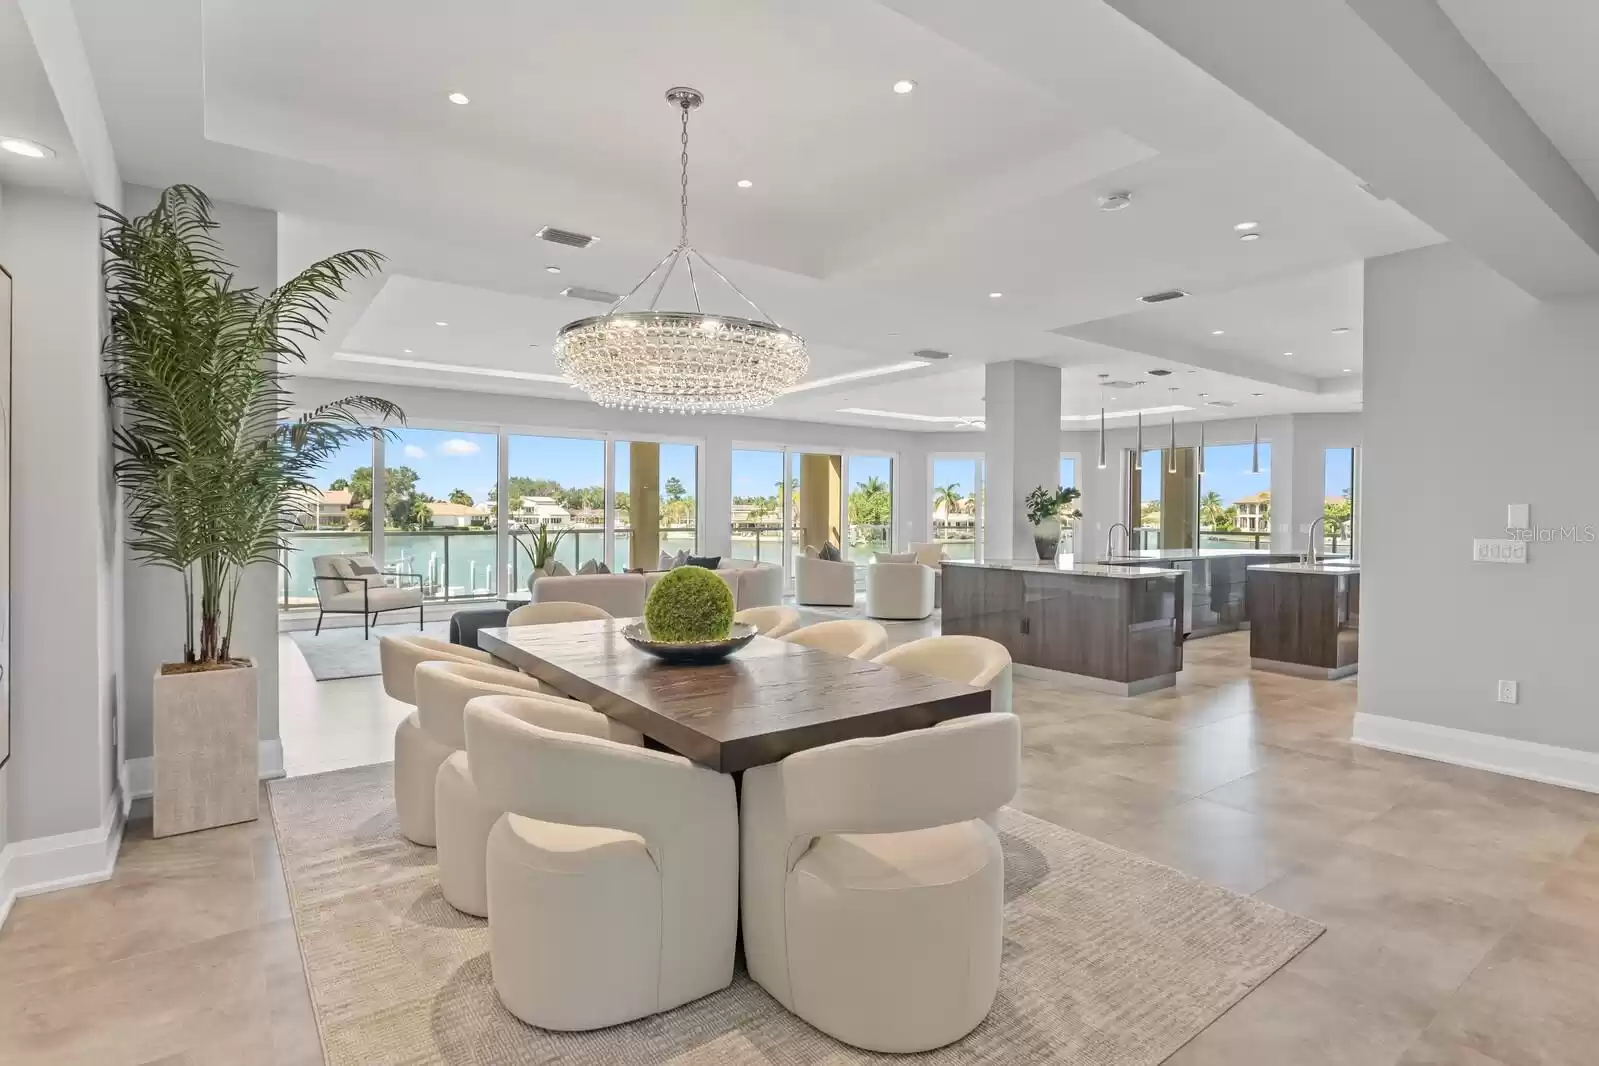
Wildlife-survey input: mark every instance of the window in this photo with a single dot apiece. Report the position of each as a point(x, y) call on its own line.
point(558, 483)
point(816, 498)
point(1338, 504)
point(1234, 503)
point(1068, 480)
point(1146, 519)
point(438, 510)
point(956, 521)
point(757, 518)
point(335, 520)
point(870, 507)
point(654, 502)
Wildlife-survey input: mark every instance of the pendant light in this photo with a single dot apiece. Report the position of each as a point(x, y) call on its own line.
point(1171, 452)
point(1102, 438)
point(1201, 449)
point(1138, 456)
point(1254, 460)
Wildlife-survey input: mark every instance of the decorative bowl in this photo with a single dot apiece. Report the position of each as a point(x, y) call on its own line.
point(693, 652)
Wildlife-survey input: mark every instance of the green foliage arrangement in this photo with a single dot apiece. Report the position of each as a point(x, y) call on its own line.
point(540, 546)
point(1044, 504)
point(689, 603)
point(209, 454)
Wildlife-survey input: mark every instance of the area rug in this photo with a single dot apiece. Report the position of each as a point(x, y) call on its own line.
point(859, 611)
point(1109, 959)
point(339, 653)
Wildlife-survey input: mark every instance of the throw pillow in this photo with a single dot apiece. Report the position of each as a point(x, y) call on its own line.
point(831, 553)
point(589, 567)
point(602, 569)
point(709, 562)
point(930, 555)
point(811, 552)
point(665, 561)
point(344, 567)
point(893, 557)
point(559, 570)
point(680, 559)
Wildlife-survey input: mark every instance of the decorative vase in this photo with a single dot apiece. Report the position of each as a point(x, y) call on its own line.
point(1046, 539)
point(207, 756)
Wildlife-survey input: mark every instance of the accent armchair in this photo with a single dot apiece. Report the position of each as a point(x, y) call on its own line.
point(354, 584)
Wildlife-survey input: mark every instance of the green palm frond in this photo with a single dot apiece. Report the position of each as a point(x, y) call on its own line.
point(209, 449)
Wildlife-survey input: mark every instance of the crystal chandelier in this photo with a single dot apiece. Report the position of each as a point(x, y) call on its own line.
point(686, 362)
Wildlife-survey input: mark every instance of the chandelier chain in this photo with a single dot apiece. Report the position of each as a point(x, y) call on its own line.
point(682, 238)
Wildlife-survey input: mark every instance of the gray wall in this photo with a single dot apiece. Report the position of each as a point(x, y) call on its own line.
point(152, 597)
point(62, 773)
point(1477, 396)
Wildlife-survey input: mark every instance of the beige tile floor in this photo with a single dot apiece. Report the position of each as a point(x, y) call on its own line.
point(1462, 908)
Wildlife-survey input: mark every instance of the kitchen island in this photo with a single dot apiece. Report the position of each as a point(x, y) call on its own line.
point(1214, 600)
point(1115, 629)
point(1305, 618)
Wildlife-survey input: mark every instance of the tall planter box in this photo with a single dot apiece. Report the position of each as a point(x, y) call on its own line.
point(207, 758)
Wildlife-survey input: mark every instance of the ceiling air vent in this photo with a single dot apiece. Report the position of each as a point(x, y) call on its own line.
point(599, 296)
point(1218, 403)
point(1162, 297)
point(930, 353)
point(565, 236)
point(1158, 373)
point(1121, 384)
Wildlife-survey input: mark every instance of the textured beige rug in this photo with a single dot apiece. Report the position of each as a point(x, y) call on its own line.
point(1110, 960)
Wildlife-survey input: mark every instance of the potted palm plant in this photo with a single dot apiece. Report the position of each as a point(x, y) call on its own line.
point(540, 548)
point(209, 461)
point(1045, 510)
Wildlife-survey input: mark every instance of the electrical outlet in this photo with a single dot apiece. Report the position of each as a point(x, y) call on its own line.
point(1507, 692)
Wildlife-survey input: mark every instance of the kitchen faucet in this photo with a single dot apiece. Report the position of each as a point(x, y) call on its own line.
point(1110, 536)
point(1310, 544)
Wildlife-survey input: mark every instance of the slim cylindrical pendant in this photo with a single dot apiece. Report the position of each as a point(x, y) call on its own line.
point(1202, 449)
point(1102, 438)
point(1138, 456)
point(1171, 460)
point(1254, 461)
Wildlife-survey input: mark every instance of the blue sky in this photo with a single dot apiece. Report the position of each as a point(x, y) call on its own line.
point(758, 472)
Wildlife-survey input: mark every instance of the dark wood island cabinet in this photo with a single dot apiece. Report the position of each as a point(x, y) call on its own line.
point(1305, 619)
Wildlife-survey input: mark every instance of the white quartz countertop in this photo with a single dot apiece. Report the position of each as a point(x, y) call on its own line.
point(1179, 555)
point(1325, 569)
point(1033, 566)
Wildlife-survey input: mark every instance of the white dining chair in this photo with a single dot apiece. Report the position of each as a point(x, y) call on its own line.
point(464, 820)
point(858, 638)
point(427, 737)
point(612, 878)
point(547, 612)
point(975, 661)
point(873, 890)
point(770, 621)
point(400, 655)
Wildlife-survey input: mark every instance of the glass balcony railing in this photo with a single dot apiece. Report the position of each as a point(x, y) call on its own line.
point(453, 564)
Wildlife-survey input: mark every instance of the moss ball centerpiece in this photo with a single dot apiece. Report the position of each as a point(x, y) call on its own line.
point(689, 604)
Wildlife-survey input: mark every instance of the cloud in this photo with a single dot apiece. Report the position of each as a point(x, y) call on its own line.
point(457, 446)
point(413, 452)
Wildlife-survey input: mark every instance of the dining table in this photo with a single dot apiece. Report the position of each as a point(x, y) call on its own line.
point(765, 702)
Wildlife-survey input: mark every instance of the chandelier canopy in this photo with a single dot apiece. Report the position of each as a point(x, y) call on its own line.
point(687, 362)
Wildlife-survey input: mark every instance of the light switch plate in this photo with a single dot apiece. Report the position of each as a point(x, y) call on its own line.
point(1484, 550)
point(1507, 691)
point(1517, 517)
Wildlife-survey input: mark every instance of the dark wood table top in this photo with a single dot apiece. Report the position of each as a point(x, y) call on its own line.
point(768, 701)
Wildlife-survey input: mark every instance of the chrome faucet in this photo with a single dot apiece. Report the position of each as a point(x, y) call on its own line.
point(1110, 536)
point(1310, 544)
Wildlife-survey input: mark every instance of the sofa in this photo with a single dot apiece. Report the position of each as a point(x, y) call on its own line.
point(753, 585)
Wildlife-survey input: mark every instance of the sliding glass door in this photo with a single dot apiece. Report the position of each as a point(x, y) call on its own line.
point(760, 506)
point(956, 519)
point(1338, 503)
point(653, 502)
point(1234, 500)
point(334, 519)
point(869, 509)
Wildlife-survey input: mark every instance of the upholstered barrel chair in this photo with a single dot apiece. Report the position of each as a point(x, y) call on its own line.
point(899, 590)
point(400, 655)
point(975, 661)
point(770, 621)
point(612, 878)
point(427, 738)
point(548, 612)
point(824, 582)
point(873, 890)
point(857, 638)
point(462, 817)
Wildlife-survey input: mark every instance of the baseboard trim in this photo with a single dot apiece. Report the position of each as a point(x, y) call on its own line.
point(139, 781)
point(1567, 767)
point(66, 860)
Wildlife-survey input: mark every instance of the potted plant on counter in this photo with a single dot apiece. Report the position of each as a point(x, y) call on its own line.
point(1045, 510)
point(210, 461)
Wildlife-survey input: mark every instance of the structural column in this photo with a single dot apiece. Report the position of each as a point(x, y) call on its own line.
point(821, 480)
point(644, 504)
point(1022, 450)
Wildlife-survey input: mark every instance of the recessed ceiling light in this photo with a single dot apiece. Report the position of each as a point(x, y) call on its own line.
point(1249, 237)
point(1245, 227)
point(1257, 394)
point(31, 149)
point(995, 295)
point(460, 98)
point(1115, 201)
point(552, 269)
point(441, 323)
point(408, 351)
point(1348, 371)
point(744, 183)
point(1217, 332)
point(1288, 353)
point(1341, 329)
point(1203, 395)
point(904, 86)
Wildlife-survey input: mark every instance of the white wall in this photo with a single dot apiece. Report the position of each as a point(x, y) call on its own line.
point(153, 597)
point(1477, 396)
point(62, 775)
point(721, 433)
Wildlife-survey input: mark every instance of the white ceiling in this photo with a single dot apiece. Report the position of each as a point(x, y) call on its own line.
point(28, 110)
point(877, 223)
